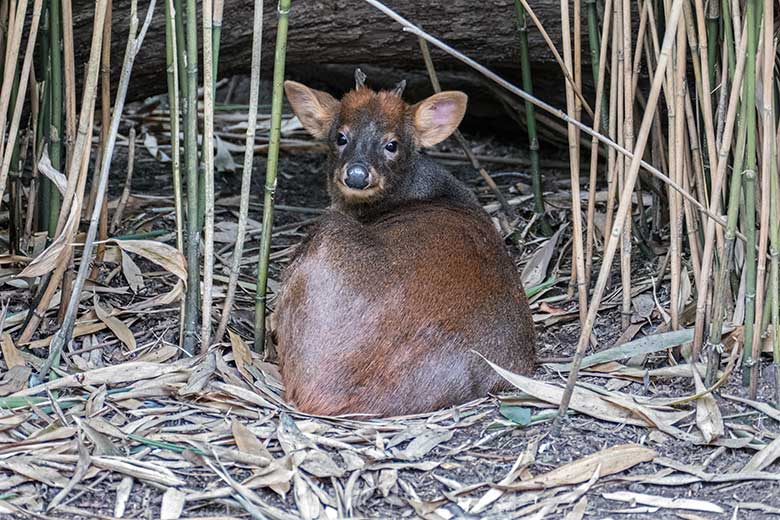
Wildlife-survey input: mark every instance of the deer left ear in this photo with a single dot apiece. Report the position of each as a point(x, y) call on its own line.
point(437, 117)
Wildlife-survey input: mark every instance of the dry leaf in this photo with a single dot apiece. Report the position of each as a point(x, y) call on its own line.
point(172, 504)
point(11, 355)
point(764, 458)
point(167, 257)
point(610, 461)
point(664, 502)
point(708, 416)
point(535, 270)
point(132, 273)
point(120, 330)
point(241, 354)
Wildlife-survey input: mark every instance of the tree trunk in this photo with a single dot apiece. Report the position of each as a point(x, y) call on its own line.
point(336, 32)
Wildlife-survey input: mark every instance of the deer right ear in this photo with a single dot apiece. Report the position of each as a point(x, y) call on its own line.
point(314, 108)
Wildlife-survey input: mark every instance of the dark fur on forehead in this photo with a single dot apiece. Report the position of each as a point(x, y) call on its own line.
point(384, 106)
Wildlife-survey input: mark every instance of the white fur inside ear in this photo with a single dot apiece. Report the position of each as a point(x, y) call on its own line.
point(437, 117)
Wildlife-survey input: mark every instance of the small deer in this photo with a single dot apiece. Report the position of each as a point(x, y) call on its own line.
point(404, 278)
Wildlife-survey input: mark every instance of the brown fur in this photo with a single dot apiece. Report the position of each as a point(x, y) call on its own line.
point(383, 306)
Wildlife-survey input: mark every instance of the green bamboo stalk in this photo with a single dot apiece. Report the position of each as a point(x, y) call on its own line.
point(56, 120)
point(749, 179)
point(713, 37)
point(728, 37)
point(270, 173)
point(216, 36)
point(594, 44)
point(530, 117)
point(190, 109)
point(173, 103)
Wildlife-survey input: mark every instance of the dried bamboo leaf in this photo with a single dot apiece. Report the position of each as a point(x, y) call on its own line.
point(241, 354)
point(535, 270)
point(11, 355)
point(764, 458)
point(664, 502)
point(132, 273)
point(167, 257)
point(120, 330)
point(172, 504)
point(305, 500)
point(708, 416)
point(610, 461)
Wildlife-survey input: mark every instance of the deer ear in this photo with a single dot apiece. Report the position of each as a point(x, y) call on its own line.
point(316, 110)
point(438, 116)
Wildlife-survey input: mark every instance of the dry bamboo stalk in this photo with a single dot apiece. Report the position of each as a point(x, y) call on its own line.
point(624, 206)
point(594, 148)
point(705, 92)
point(70, 78)
point(612, 157)
point(768, 171)
point(246, 176)
point(628, 142)
point(579, 260)
point(676, 132)
point(13, 45)
point(13, 131)
point(208, 163)
point(706, 260)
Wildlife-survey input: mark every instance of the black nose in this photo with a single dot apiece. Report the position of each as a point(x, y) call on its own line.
point(357, 177)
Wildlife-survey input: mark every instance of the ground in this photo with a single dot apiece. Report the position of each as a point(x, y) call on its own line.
point(177, 430)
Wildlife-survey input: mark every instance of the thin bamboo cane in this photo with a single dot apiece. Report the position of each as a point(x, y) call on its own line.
point(677, 146)
point(530, 115)
point(623, 208)
point(628, 142)
point(216, 36)
point(612, 157)
point(190, 110)
point(579, 260)
point(270, 173)
point(105, 103)
point(172, 68)
point(769, 201)
point(13, 46)
point(246, 176)
point(56, 122)
point(208, 161)
point(13, 130)
point(70, 80)
point(601, 117)
point(749, 184)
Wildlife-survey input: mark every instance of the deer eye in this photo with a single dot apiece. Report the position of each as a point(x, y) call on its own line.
point(341, 140)
point(392, 146)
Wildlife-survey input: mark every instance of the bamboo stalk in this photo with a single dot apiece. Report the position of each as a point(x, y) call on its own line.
point(190, 110)
point(172, 68)
point(769, 202)
point(574, 171)
point(56, 122)
point(628, 142)
point(208, 185)
point(749, 185)
point(601, 118)
point(624, 206)
point(530, 119)
point(270, 173)
point(246, 176)
point(13, 131)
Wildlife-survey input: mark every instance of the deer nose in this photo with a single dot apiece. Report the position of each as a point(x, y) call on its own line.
point(357, 177)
